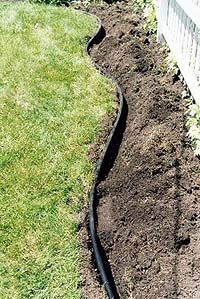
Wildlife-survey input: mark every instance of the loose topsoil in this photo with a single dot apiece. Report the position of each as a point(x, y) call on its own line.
point(148, 214)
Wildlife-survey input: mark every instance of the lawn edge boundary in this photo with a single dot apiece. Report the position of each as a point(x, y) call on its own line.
point(103, 166)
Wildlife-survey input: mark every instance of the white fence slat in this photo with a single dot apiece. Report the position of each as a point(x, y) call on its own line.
point(176, 21)
point(162, 17)
point(182, 34)
point(197, 65)
point(185, 20)
point(194, 48)
point(190, 41)
point(169, 14)
point(178, 32)
point(186, 46)
point(173, 17)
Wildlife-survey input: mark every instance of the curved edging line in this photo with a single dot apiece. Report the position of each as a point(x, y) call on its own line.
point(103, 166)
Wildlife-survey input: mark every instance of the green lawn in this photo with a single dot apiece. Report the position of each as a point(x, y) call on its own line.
point(51, 103)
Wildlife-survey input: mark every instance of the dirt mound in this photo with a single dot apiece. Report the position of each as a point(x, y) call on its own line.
point(148, 217)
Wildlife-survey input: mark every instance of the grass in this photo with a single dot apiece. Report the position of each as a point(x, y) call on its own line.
point(51, 103)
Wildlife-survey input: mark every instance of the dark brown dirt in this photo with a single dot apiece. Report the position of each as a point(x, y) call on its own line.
point(148, 218)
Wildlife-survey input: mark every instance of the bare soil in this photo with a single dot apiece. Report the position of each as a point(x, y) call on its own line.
point(148, 217)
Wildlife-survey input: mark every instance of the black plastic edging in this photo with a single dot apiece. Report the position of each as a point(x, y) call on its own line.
point(106, 159)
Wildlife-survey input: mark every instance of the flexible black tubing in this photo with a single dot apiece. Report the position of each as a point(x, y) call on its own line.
point(100, 258)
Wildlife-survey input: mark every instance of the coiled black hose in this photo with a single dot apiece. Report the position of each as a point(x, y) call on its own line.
point(103, 166)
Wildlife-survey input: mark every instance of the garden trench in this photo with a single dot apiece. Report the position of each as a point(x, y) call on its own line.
point(148, 213)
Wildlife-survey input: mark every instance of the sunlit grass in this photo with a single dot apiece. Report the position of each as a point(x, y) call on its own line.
point(51, 103)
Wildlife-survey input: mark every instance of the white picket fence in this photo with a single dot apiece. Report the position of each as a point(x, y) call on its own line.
point(179, 26)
